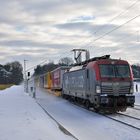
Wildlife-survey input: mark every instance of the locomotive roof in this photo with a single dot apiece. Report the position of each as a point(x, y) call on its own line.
point(62, 68)
point(105, 57)
point(92, 59)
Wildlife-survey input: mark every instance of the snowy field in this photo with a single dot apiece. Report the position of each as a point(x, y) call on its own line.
point(21, 118)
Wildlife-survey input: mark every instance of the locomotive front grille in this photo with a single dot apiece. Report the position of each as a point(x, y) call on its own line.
point(115, 88)
point(124, 89)
point(107, 89)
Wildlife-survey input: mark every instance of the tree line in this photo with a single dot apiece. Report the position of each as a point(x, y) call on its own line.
point(136, 70)
point(66, 61)
point(11, 73)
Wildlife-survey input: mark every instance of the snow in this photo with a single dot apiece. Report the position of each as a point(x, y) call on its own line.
point(21, 118)
point(83, 124)
point(76, 68)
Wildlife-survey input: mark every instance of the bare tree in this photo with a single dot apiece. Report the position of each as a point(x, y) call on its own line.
point(66, 61)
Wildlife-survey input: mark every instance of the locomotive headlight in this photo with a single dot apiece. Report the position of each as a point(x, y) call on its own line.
point(98, 89)
point(131, 90)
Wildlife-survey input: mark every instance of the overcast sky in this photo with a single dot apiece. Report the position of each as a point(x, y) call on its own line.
point(49, 29)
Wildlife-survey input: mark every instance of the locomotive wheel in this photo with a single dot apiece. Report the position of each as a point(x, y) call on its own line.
point(96, 109)
point(87, 104)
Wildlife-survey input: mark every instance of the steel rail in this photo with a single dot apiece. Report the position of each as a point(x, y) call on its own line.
point(136, 105)
point(61, 127)
point(135, 108)
point(109, 117)
point(122, 122)
point(129, 116)
point(91, 110)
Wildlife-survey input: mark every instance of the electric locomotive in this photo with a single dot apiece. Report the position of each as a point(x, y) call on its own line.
point(102, 83)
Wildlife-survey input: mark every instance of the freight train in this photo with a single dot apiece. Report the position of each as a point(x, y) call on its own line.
point(102, 83)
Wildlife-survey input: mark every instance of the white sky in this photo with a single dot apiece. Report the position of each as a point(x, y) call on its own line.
point(38, 29)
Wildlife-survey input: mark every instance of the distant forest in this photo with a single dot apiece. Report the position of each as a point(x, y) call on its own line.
point(51, 66)
point(136, 70)
point(11, 73)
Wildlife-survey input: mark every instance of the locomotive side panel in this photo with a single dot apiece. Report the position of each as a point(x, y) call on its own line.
point(81, 83)
point(91, 85)
point(74, 83)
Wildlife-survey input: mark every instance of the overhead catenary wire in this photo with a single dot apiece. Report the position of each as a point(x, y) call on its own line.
point(32, 67)
point(100, 36)
point(112, 30)
point(110, 21)
point(129, 44)
point(121, 13)
point(105, 34)
point(43, 62)
point(114, 18)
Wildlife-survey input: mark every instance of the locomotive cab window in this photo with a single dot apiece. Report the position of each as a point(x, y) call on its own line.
point(114, 71)
point(122, 71)
point(107, 70)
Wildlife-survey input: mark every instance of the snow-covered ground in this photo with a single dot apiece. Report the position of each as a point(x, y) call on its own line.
point(22, 119)
point(83, 124)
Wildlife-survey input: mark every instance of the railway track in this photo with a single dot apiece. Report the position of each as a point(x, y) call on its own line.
point(135, 108)
point(133, 117)
point(128, 121)
point(137, 105)
point(124, 119)
point(132, 112)
point(61, 127)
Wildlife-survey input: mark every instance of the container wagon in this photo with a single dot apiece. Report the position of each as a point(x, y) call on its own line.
point(57, 77)
point(49, 80)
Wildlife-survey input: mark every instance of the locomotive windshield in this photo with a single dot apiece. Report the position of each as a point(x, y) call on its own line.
point(114, 71)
